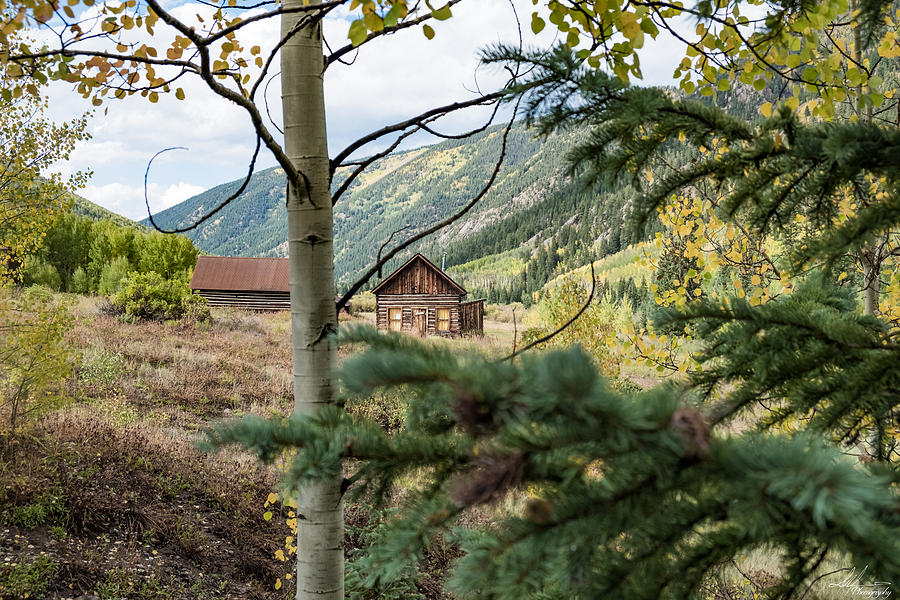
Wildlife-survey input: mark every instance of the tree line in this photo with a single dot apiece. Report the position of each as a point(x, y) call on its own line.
point(80, 255)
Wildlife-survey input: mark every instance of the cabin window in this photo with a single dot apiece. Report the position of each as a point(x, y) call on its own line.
point(395, 319)
point(443, 319)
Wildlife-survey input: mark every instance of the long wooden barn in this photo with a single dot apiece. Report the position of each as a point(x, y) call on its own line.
point(250, 283)
point(421, 299)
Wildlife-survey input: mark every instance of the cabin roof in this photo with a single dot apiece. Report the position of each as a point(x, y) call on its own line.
point(234, 273)
point(428, 264)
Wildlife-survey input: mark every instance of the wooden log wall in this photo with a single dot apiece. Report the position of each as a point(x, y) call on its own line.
point(262, 301)
point(472, 320)
point(424, 305)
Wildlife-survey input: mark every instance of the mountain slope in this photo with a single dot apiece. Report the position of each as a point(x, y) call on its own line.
point(534, 222)
point(86, 208)
point(531, 199)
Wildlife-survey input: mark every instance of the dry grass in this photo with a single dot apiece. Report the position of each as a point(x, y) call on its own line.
point(240, 363)
point(111, 487)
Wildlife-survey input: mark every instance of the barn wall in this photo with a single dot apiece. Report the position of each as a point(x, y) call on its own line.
point(413, 303)
point(472, 317)
point(247, 300)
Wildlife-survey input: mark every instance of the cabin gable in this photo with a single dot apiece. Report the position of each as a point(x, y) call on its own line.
point(419, 276)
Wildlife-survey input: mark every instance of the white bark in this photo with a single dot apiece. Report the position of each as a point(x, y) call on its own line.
point(320, 562)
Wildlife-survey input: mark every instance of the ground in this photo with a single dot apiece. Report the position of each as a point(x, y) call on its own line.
point(108, 496)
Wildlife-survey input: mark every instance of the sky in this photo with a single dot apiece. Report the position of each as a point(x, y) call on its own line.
point(392, 79)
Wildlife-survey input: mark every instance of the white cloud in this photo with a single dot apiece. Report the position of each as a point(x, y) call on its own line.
point(128, 200)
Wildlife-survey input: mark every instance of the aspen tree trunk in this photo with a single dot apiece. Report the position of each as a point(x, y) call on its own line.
point(320, 530)
point(868, 256)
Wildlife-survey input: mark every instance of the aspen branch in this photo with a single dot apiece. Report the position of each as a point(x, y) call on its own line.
point(343, 50)
point(417, 120)
point(323, 8)
point(211, 213)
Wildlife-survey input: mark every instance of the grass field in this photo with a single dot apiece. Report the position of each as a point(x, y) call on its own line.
point(107, 496)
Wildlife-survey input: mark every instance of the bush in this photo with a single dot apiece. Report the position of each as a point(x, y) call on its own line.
point(363, 302)
point(149, 296)
point(39, 272)
point(34, 354)
point(112, 275)
point(81, 283)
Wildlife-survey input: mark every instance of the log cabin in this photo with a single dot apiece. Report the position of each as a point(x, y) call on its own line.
point(250, 283)
point(421, 299)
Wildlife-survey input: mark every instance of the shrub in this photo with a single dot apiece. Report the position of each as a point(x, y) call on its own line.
point(81, 283)
point(149, 296)
point(363, 302)
point(34, 355)
point(39, 272)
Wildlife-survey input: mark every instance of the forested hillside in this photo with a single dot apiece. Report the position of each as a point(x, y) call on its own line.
point(86, 208)
point(535, 222)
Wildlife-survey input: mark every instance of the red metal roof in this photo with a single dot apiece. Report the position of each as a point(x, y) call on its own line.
point(241, 274)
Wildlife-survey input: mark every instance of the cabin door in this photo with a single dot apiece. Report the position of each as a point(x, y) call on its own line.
point(419, 321)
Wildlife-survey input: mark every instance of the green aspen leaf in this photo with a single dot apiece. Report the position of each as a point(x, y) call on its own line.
point(394, 15)
point(428, 31)
point(648, 26)
point(358, 32)
point(179, 93)
point(373, 22)
point(442, 14)
point(810, 74)
point(723, 85)
point(537, 23)
point(759, 84)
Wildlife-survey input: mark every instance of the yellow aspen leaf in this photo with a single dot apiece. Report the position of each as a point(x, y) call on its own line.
point(267, 516)
point(766, 109)
point(278, 584)
point(428, 31)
